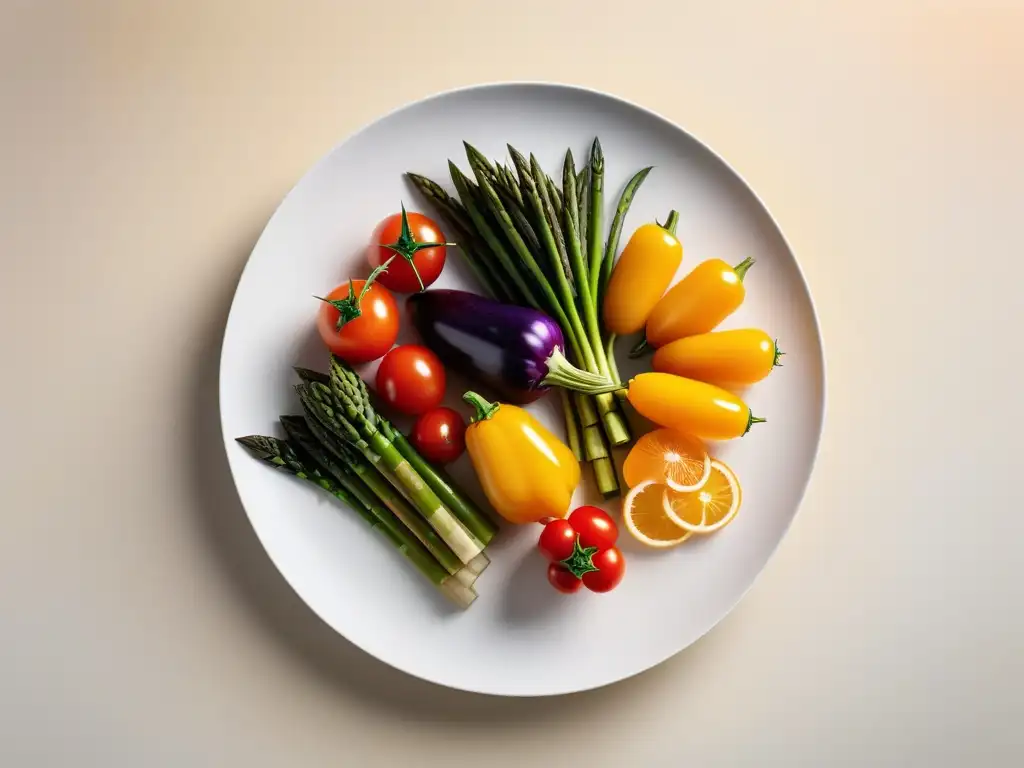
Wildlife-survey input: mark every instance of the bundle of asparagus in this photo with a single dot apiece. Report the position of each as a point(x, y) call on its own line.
point(535, 243)
point(343, 446)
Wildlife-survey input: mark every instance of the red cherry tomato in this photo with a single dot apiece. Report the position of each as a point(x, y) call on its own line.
point(411, 379)
point(420, 246)
point(562, 579)
point(373, 326)
point(611, 567)
point(595, 527)
point(439, 435)
point(556, 540)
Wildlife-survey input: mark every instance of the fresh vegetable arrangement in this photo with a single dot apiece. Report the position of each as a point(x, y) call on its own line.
point(540, 244)
point(557, 301)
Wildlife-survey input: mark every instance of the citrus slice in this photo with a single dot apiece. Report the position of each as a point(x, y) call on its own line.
point(676, 459)
point(643, 512)
point(711, 507)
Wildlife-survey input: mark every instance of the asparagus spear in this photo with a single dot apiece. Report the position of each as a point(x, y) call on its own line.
point(612, 247)
point(475, 251)
point(594, 242)
point(482, 226)
point(280, 455)
point(348, 459)
point(345, 416)
point(365, 482)
point(583, 198)
point(467, 513)
point(472, 518)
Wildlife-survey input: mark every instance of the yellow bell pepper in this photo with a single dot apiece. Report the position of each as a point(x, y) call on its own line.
point(526, 473)
point(644, 270)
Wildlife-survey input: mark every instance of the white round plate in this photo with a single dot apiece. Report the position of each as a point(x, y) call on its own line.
point(520, 638)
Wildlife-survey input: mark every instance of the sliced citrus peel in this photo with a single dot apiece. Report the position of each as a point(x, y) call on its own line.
point(643, 512)
point(709, 508)
point(676, 459)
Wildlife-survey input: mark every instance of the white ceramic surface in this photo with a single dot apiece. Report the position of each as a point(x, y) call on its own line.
point(520, 637)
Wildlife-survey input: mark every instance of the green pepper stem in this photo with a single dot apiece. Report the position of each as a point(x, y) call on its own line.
point(751, 421)
point(778, 353)
point(741, 268)
point(640, 349)
point(484, 408)
point(671, 222)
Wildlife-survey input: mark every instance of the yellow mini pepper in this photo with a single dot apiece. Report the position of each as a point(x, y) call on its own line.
point(694, 407)
point(526, 473)
point(696, 304)
point(741, 356)
point(644, 270)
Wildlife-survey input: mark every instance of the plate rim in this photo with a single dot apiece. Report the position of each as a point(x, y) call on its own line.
point(622, 101)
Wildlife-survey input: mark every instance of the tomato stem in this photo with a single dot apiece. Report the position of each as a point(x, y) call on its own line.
point(741, 268)
point(351, 307)
point(407, 247)
point(778, 353)
point(484, 408)
point(581, 560)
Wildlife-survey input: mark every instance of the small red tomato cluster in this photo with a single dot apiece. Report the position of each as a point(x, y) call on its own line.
point(359, 322)
point(582, 551)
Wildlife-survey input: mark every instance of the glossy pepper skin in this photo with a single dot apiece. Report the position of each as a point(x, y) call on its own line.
point(743, 356)
point(644, 270)
point(526, 473)
point(695, 407)
point(698, 302)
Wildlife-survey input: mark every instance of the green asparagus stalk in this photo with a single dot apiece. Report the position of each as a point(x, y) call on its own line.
point(552, 303)
point(491, 276)
point(280, 455)
point(370, 477)
point(472, 519)
point(543, 210)
point(583, 200)
point(558, 268)
point(615, 424)
point(369, 486)
point(491, 238)
point(608, 261)
point(468, 514)
point(595, 232)
point(346, 417)
point(555, 194)
point(612, 247)
point(518, 216)
point(572, 427)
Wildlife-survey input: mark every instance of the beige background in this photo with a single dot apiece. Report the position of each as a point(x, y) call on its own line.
point(143, 146)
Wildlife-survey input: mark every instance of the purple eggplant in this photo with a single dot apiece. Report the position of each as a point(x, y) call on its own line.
point(516, 351)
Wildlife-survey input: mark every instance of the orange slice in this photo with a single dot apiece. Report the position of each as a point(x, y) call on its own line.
point(676, 459)
point(643, 512)
point(711, 507)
